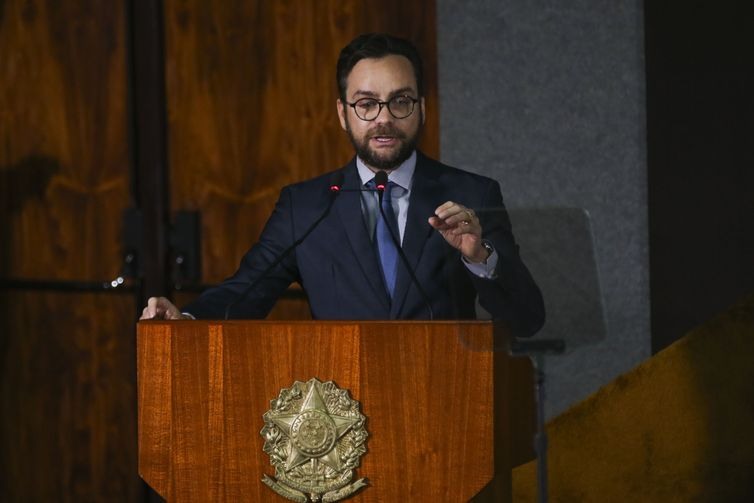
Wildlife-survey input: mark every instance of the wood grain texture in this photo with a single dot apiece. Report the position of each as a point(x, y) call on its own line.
point(63, 155)
point(428, 396)
point(251, 104)
point(67, 371)
point(67, 429)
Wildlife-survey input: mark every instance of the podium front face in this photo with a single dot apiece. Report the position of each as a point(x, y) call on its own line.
point(427, 390)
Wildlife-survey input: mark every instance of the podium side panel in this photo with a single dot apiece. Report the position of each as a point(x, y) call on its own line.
point(523, 412)
point(153, 362)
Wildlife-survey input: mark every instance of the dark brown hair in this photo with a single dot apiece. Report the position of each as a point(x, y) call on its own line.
point(376, 45)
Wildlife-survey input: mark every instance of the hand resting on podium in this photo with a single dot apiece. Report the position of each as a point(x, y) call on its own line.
point(160, 308)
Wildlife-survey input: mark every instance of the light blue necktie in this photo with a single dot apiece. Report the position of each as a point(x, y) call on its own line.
point(386, 248)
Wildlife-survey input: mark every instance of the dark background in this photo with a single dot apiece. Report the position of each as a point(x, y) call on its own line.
point(701, 167)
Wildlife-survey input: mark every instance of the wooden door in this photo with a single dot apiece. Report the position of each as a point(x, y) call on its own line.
point(66, 345)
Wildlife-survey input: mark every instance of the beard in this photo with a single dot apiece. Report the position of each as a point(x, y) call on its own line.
point(373, 158)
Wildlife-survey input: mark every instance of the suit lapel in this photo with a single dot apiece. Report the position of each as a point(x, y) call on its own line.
point(425, 197)
point(348, 207)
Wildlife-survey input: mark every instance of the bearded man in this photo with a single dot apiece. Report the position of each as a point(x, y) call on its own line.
point(450, 225)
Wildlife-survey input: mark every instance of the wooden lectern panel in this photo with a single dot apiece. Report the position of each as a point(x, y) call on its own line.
point(426, 390)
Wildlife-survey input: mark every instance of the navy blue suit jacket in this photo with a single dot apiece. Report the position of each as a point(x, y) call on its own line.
point(337, 265)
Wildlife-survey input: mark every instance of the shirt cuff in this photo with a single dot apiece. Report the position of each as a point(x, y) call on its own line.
point(484, 269)
point(191, 316)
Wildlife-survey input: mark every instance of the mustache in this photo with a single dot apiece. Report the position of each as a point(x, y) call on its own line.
point(385, 130)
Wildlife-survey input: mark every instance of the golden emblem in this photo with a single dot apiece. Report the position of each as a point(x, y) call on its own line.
point(315, 437)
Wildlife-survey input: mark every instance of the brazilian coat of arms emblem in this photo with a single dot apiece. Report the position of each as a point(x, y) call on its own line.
point(315, 436)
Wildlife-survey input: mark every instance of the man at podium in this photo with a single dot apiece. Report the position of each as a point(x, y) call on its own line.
point(392, 234)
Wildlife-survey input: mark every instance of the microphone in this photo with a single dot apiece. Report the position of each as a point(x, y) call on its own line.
point(380, 183)
point(335, 186)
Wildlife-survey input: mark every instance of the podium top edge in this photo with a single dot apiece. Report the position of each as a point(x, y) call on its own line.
point(317, 322)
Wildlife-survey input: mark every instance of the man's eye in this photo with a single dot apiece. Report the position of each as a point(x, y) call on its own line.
point(366, 104)
point(402, 101)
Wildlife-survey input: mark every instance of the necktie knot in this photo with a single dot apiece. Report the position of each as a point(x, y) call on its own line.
point(372, 185)
point(391, 189)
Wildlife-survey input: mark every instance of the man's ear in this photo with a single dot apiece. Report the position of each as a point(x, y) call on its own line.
point(341, 114)
point(424, 115)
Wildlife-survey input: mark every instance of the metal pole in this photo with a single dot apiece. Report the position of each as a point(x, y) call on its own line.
point(540, 440)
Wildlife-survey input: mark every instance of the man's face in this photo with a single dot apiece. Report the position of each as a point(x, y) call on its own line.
point(385, 142)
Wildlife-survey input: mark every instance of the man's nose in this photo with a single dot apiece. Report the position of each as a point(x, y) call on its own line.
point(383, 116)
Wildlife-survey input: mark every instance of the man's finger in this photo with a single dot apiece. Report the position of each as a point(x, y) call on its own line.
point(459, 218)
point(448, 212)
point(444, 206)
point(159, 308)
point(454, 213)
point(448, 209)
point(467, 229)
point(438, 224)
point(150, 314)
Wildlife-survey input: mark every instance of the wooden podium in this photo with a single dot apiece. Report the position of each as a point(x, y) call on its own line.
point(441, 405)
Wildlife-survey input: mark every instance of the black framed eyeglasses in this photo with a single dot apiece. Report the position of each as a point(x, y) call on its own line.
point(368, 109)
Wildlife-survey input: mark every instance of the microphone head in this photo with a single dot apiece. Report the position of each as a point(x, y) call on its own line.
point(336, 182)
point(380, 180)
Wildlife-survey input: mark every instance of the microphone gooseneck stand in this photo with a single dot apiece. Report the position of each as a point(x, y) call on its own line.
point(336, 183)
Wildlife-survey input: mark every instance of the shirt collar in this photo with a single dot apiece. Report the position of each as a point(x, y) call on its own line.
point(401, 175)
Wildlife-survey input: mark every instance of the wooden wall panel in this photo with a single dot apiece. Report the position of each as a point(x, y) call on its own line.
point(251, 104)
point(63, 133)
point(68, 398)
point(66, 361)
